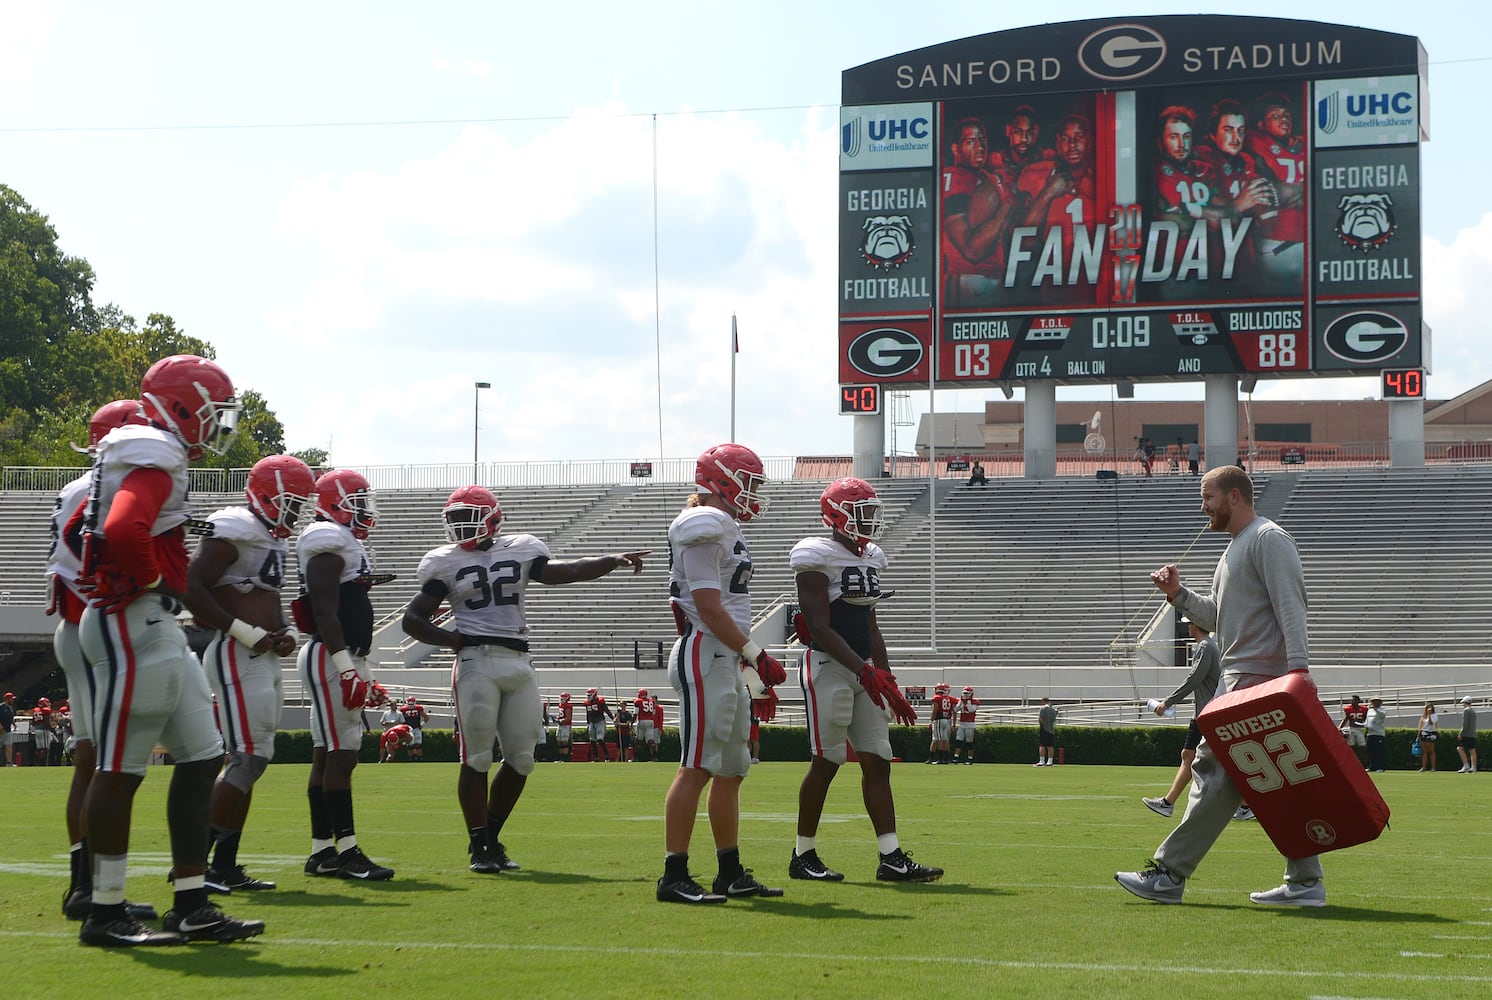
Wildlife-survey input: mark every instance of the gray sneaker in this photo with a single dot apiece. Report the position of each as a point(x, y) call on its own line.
point(1311, 893)
point(1155, 883)
point(1244, 813)
point(1160, 805)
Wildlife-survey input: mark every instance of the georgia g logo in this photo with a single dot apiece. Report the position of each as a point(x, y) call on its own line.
point(885, 352)
point(1365, 338)
point(1122, 52)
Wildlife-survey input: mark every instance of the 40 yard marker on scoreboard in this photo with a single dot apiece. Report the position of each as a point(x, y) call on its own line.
point(1147, 199)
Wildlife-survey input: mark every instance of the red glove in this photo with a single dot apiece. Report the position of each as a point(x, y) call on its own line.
point(902, 712)
point(378, 695)
point(765, 707)
point(680, 619)
point(354, 691)
point(767, 667)
point(800, 629)
point(879, 684)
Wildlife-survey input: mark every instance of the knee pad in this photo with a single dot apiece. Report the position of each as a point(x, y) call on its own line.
point(522, 762)
point(243, 770)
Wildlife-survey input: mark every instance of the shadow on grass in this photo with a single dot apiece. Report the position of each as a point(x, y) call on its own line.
point(226, 961)
point(787, 906)
point(942, 887)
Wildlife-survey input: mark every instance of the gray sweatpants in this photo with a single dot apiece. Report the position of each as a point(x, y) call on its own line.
point(1209, 809)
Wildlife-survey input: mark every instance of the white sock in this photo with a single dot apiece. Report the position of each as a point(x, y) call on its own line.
point(887, 842)
point(805, 844)
point(346, 843)
point(319, 844)
point(108, 878)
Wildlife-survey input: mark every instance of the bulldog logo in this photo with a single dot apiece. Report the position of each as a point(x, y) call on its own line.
point(1366, 221)
point(888, 241)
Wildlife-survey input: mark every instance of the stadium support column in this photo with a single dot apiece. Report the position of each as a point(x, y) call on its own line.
point(1041, 429)
point(1221, 416)
point(870, 446)
point(1406, 433)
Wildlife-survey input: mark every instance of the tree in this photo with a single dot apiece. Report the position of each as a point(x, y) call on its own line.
point(314, 457)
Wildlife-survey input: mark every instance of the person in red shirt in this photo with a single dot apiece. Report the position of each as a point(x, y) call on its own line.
point(394, 738)
point(943, 705)
point(150, 687)
point(978, 209)
point(965, 717)
point(1063, 195)
point(415, 716)
point(649, 722)
point(1354, 717)
point(1280, 152)
point(564, 718)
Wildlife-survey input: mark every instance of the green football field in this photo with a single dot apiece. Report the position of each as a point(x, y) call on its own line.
point(1028, 907)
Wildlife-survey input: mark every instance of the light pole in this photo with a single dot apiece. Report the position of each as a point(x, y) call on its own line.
point(476, 399)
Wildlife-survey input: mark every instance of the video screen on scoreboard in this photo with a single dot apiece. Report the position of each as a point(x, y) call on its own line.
point(1083, 236)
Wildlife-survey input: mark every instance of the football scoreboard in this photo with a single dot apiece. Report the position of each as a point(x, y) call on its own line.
point(1142, 199)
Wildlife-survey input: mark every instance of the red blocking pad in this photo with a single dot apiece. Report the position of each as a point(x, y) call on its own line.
point(1297, 773)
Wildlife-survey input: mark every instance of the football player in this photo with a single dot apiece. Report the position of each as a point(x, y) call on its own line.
point(1281, 156)
point(148, 686)
point(965, 717)
point(335, 608)
point(978, 210)
point(848, 688)
point(394, 738)
point(649, 722)
point(415, 716)
point(484, 577)
point(1062, 194)
point(624, 722)
point(1243, 191)
point(234, 583)
point(564, 723)
point(67, 601)
point(596, 714)
point(943, 704)
point(710, 666)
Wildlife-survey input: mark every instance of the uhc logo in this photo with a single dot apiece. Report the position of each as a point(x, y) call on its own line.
point(1360, 107)
point(879, 131)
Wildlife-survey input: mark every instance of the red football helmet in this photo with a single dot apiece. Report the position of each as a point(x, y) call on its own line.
point(44, 703)
point(642, 692)
point(733, 473)
point(109, 416)
point(344, 496)
point(279, 486)
point(472, 515)
point(968, 690)
point(564, 696)
point(941, 687)
point(852, 509)
point(193, 399)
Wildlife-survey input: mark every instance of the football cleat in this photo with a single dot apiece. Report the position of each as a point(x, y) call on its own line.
point(354, 864)
point(125, 933)
point(743, 885)
point(1155, 883)
point(235, 879)
point(808, 866)
point(323, 862)
point(898, 866)
point(79, 903)
point(484, 862)
point(685, 890)
point(1311, 893)
point(504, 862)
point(1160, 805)
point(210, 923)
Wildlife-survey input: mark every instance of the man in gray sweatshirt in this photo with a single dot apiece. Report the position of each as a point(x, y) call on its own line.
point(1257, 611)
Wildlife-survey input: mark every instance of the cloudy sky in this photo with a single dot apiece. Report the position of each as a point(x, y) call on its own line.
point(367, 207)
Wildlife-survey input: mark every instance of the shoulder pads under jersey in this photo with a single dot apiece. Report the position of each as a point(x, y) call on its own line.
point(699, 525)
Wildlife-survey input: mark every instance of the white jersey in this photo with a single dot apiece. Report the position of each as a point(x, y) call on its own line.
point(706, 550)
point(484, 587)
point(61, 562)
point(261, 556)
point(122, 451)
point(329, 536)
point(854, 584)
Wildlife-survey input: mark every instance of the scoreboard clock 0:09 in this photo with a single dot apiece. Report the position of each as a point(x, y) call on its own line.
point(1127, 344)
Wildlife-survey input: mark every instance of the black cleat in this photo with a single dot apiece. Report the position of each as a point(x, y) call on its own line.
point(228, 880)
point(808, 866)
point(79, 904)
point(743, 885)
point(685, 890)
point(210, 923)
point(323, 862)
point(125, 933)
point(898, 866)
point(484, 862)
point(506, 863)
point(354, 864)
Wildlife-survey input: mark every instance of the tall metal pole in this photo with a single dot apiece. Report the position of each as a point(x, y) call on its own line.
point(476, 399)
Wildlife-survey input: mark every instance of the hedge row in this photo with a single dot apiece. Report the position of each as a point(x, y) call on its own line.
point(1131, 745)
